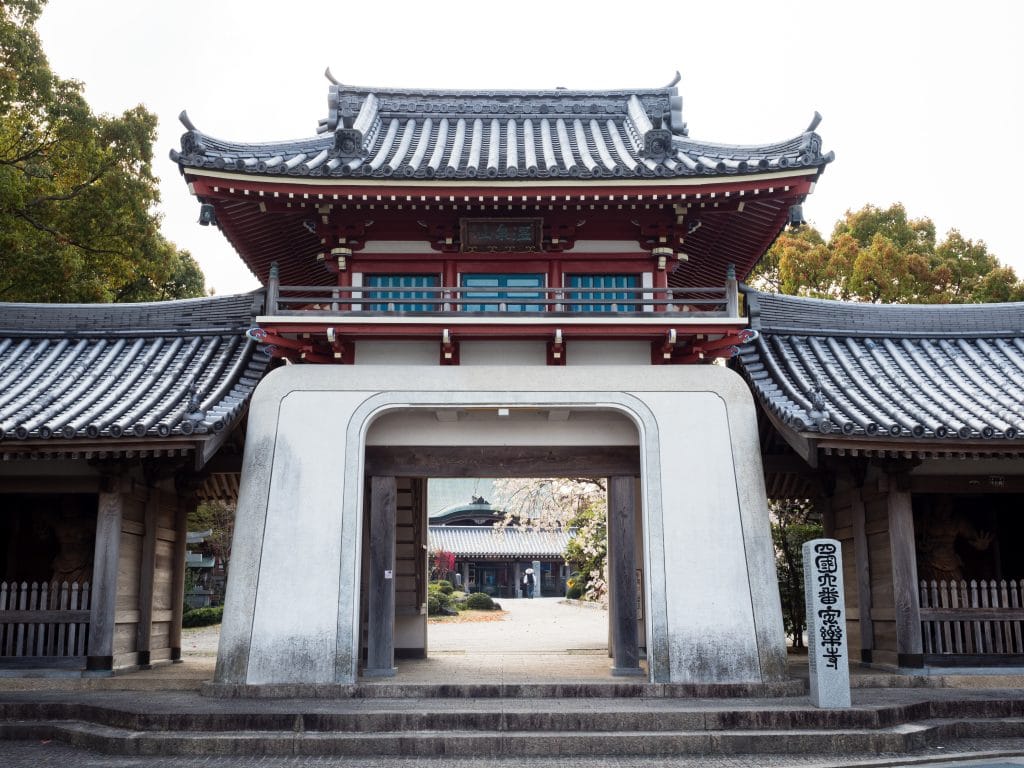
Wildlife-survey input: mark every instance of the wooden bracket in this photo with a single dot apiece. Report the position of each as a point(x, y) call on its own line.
point(449, 349)
point(556, 349)
point(343, 352)
point(663, 350)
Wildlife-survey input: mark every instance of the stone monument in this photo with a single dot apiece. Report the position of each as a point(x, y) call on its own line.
point(827, 655)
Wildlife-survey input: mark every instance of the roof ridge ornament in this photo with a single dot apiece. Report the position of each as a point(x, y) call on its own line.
point(192, 140)
point(650, 142)
point(354, 132)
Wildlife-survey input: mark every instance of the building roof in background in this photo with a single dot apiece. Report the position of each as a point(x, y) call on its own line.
point(164, 378)
point(510, 543)
point(889, 379)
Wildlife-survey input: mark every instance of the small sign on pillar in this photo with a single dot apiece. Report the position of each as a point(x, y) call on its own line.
point(827, 655)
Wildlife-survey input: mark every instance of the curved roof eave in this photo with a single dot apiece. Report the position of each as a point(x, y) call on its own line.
point(394, 134)
point(162, 378)
point(889, 379)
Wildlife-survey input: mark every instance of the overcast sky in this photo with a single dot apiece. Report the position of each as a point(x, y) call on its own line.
point(923, 102)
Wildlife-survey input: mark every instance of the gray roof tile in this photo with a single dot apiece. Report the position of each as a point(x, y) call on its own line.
point(102, 373)
point(889, 372)
point(500, 135)
point(510, 542)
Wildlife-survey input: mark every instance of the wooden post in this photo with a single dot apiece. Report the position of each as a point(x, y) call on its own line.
point(273, 289)
point(380, 658)
point(732, 292)
point(147, 571)
point(178, 576)
point(622, 575)
point(909, 650)
point(863, 567)
point(104, 585)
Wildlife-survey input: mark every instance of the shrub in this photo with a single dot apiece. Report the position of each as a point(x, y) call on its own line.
point(479, 601)
point(575, 592)
point(203, 617)
point(445, 586)
point(438, 603)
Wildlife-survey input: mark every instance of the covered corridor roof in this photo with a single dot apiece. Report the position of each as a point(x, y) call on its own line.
point(96, 380)
point(903, 379)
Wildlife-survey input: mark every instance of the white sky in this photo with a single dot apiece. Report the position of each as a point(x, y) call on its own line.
point(923, 102)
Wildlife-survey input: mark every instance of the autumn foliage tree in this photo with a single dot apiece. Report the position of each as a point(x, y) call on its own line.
point(881, 255)
point(443, 564)
point(77, 190)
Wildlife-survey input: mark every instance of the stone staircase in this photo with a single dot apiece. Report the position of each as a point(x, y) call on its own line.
point(127, 723)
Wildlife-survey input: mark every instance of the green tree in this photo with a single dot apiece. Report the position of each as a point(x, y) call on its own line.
point(77, 190)
point(882, 255)
point(793, 523)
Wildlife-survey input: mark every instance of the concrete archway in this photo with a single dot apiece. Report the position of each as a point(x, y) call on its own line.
point(712, 610)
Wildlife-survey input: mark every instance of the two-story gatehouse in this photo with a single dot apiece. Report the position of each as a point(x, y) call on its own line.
point(492, 284)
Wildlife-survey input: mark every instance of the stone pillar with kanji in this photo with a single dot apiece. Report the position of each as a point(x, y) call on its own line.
point(827, 655)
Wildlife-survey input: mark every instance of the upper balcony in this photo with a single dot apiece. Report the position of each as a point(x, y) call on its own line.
point(483, 303)
point(323, 323)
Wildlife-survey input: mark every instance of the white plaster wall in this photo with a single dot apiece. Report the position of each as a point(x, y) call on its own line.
point(502, 353)
point(485, 427)
point(306, 489)
point(404, 353)
point(709, 605)
point(608, 353)
point(410, 631)
point(712, 612)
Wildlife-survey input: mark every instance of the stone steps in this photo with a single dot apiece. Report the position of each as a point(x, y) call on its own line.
point(109, 740)
point(504, 728)
point(602, 690)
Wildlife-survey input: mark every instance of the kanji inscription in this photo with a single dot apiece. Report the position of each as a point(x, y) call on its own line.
point(501, 235)
point(828, 657)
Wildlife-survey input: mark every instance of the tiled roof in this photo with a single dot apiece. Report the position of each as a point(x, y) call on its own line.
point(946, 375)
point(109, 374)
point(385, 132)
point(485, 541)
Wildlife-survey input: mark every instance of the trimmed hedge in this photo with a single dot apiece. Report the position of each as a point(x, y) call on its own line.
point(203, 617)
point(480, 601)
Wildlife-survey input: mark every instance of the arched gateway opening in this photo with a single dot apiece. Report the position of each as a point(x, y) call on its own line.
point(318, 508)
point(407, 446)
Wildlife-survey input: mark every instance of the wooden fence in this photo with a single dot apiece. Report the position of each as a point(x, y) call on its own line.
point(43, 622)
point(972, 619)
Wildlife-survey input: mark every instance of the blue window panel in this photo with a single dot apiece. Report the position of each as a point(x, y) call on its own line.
point(497, 286)
point(601, 288)
point(402, 287)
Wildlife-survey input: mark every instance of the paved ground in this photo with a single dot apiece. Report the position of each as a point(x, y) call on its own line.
point(538, 640)
point(543, 638)
point(544, 624)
